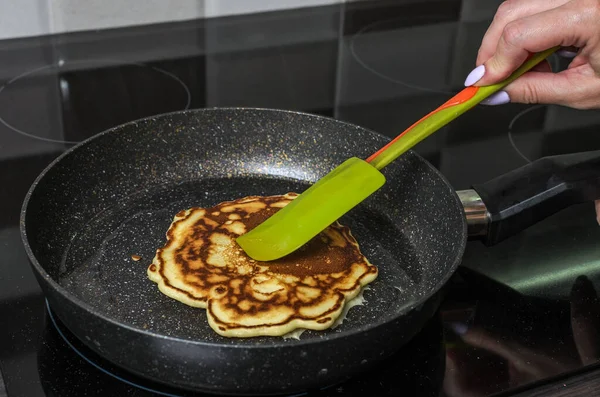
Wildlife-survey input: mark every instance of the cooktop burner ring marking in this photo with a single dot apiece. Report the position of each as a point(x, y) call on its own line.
point(510, 130)
point(98, 367)
point(362, 63)
point(100, 61)
point(553, 60)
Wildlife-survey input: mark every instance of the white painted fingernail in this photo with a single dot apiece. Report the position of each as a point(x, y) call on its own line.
point(459, 328)
point(475, 75)
point(566, 53)
point(499, 98)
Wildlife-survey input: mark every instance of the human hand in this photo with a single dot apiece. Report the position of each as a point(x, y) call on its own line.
point(521, 27)
point(478, 374)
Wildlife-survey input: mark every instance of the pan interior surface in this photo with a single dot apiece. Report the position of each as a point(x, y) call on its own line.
point(116, 195)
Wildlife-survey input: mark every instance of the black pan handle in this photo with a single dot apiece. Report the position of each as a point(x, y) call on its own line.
point(514, 201)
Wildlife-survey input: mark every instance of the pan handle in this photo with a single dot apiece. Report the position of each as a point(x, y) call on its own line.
point(514, 201)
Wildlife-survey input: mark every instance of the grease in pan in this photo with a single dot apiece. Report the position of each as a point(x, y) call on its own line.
point(201, 265)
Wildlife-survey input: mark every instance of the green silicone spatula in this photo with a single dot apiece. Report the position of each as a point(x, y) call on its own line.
point(355, 179)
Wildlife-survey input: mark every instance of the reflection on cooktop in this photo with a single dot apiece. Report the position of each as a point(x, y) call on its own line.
point(541, 130)
point(398, 66)
point(70, 101)
point(523, 149)
point(68, 368)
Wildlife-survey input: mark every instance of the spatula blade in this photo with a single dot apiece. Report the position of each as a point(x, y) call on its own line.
point(312, 211)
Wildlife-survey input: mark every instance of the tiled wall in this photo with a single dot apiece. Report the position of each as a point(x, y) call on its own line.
point(24, 18)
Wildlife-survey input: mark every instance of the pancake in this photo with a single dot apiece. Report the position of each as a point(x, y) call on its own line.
point(202, 266)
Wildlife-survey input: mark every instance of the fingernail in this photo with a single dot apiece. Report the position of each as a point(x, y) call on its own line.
point(582, 279)
point(583, 288)
point(582, 282)
point(459, 328)
point(566, 53)
point(475, 75)
point(499, 98)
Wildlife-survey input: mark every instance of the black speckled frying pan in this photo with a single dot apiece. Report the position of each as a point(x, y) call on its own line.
point(114, 196)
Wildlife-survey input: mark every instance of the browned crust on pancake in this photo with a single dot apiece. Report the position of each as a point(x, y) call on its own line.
point(202, 266)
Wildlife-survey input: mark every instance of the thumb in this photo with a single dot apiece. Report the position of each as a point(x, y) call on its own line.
point(477, 337)
point(577, 88)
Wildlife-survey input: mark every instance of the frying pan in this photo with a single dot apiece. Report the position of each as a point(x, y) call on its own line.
point(114, 196)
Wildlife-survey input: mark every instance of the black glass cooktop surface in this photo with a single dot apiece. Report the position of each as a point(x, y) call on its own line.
point(516, 317)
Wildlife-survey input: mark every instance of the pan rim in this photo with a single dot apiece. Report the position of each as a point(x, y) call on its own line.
point(460, 246)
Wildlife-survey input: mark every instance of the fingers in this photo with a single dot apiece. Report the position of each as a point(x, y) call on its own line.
point(468, 376)
point(598, 211)
point(454, 381)
point(504, 96)
point(510, 11)
point(561, 26)
point(477, 337)
point(585, 312)
point(576, 87)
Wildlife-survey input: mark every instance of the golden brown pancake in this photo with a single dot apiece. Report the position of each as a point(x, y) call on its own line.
point(201, 265)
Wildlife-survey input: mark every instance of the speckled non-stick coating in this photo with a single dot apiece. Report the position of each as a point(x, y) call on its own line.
point(115, 195)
